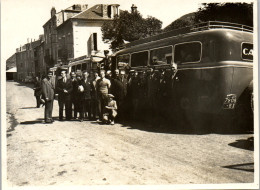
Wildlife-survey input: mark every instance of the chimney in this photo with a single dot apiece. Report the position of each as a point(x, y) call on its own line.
point(134, 9)
point(104, 11)
point(53, 11)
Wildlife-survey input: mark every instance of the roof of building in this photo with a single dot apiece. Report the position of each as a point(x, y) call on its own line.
point(93, 13)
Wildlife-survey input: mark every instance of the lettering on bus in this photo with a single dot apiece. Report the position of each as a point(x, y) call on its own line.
point(247, 51)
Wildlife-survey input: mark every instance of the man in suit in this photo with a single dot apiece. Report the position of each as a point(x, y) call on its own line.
point(94, 100)
point(86, 83)
point(64, 89)
point(48, 95)
point(74, 93)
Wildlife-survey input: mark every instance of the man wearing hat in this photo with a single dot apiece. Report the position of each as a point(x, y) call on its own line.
point(48, 95)
point(64, 89)
point(105, 63)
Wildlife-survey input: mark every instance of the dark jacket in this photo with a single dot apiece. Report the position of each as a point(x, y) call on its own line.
point(61, 86)
point(117, 88)
point(87, 89)
point(37, 88)
point(47, 89)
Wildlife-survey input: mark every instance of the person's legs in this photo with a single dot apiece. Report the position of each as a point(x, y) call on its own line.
point(61, 106)
point(68, 109)
point(38, 101)
point(48, 111)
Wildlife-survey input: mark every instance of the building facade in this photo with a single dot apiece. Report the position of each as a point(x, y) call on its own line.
point(50, 32)
point(81, 34)
point(26, 57)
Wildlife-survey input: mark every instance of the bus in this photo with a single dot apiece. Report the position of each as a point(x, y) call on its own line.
point(214, 64)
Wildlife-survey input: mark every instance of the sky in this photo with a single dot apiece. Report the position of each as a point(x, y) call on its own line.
point(23, 19)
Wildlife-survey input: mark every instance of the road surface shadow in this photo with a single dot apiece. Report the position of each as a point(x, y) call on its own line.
point(181, 127)
point(28, 108)
point(37, 121)
point(248, 167)
point(29, 85)
point(247, 144)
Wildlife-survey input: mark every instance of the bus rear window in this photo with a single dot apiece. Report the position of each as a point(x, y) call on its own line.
point(187, 52)
point(139, 59)
point(247, 51)
point(161, 56)
point(123, 61)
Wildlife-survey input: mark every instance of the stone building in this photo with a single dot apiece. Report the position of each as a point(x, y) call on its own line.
point(81, 34)
point(26, 56)
point(50, 31)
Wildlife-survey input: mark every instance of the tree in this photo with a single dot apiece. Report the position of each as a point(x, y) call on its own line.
point(241, 13)
point(129, 27)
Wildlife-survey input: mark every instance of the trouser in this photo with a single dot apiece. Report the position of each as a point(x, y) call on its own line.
point(68, 108)
point(38, 101)
point(48, 110)
point(87, 108)
point(94, 107)
point(75, 106)
point(102, 102)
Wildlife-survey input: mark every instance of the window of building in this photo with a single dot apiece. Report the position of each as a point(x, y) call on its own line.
point(95, 41)
point(189, 52)
point(109, 11)
point(161, 56)
point(123, 61)
point(139, 59)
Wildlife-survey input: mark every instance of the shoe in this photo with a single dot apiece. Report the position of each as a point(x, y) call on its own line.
point(81, 120)
point(98, 120)
point(112, 122)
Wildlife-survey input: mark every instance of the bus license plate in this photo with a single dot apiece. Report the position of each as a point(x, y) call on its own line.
point(230, 101)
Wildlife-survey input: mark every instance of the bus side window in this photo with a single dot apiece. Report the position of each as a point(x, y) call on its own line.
point(187, 52)
point(84, 66)
point(161, 56)
point(139, 59)
point(78, 67)
point(123, 61)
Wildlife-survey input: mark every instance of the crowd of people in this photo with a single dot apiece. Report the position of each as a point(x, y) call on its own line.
point(107, 95)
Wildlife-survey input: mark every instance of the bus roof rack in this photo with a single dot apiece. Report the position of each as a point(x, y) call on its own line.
point(198, 27)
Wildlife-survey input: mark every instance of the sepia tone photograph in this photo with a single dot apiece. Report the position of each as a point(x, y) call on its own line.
point(129, 94)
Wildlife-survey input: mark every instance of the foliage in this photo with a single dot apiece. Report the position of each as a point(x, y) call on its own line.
point(129, 27)
point(241, 13)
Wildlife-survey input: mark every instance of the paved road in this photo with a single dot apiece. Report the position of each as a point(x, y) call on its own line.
point(74, 153)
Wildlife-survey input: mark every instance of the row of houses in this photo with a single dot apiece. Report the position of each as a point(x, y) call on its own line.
point(68, 34)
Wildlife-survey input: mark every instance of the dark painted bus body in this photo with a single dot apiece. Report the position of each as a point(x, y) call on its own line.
point(214, 66)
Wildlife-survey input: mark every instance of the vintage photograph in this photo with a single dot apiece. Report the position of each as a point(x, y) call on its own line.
point(120, 93)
